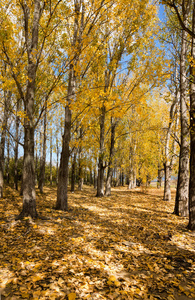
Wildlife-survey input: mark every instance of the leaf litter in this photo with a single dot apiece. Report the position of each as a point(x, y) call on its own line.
point(126, 246)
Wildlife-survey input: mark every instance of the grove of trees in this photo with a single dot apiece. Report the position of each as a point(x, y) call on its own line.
point(100, 92)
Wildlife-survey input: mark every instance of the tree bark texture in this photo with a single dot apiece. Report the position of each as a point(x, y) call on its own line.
point(16, 149)
point(101, 167)
point(182, 194)
point(8, 159)
point(191, 224)
point(80, 161)
point(62, 190)
point(7, 98)
point(51, 152)
point(29, 195)
point(43, 155)
point(73, 172)
point(110, 162)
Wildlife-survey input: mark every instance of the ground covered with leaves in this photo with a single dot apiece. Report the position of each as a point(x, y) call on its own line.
point(126, 246)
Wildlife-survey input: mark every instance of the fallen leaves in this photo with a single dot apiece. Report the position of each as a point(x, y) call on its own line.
point(127, 246)
point(71, 296)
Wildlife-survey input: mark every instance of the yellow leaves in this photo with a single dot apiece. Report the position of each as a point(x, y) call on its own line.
point(112, 278)
point(99, 264)
point(60, 282)
point(71, 296)
point(113, 281)
point(37, 277)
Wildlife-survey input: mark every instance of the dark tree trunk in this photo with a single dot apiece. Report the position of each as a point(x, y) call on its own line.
point(16, 150)
point(43, 156)
point(169, 152)
point(7, 98)
point(57, 164)
point(95, 178)
point(80, 163)
point(8, 160)
point(62, 190)
point(101, 167)
point(110, 167)
point(36, 163)
point(91, 177)
point(29, 195)
point(51, 152)
point(73, 175)
point(191, 224)
point(167, 188)
point(181, 201)
point(160, 176)
point(118, 177)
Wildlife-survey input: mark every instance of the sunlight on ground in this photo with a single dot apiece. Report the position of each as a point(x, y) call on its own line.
point(126, 246)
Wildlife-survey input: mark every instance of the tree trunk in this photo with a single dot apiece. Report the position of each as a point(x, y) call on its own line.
point(95, 178)
point(16, 149)
point(167, 189)
point(57, 164)
point(43, 156)
point(51, 152)
point(160, 175)
point(169, 152)
point(73, 172)
point(110, 167)
point(100, 178)
point(36, 163)
point(80, 167)
point(191, 224)
point(181, 201)
point(62, 190)
point(7, 98)
point(8, 159)
point(29, 195)
point(167, 170)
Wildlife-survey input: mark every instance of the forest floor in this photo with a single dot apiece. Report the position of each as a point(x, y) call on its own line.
point(126, 246)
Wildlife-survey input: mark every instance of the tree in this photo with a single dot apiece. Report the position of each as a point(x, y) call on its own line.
point(34, 23)
point(5, 115)
point(191, 224)
point(186, 7)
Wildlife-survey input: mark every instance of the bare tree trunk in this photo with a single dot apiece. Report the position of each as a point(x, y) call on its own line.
point(181, 207)
point(169, 151)
point(117, 177)
point(110, 167)
point(191, 224)
point(159, 180)
point(80, 161)
point(29, 194)
point(51, 152)
point(73, 172)
point(167, 187)
point(8, 159)
point(80, 171)
point(36, 163)
point(167, 168)
point(62, 190)
point(95, 178)
point(16, 149)
point(7, 98)
point(43, 156)
point(57, 164)
point(101, 167)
